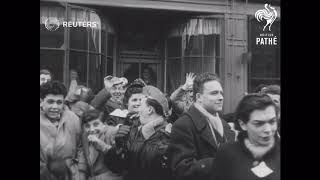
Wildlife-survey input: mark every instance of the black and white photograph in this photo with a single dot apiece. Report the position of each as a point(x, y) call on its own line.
point(160, 89)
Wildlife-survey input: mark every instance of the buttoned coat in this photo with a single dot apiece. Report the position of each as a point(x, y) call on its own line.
point(192, 147)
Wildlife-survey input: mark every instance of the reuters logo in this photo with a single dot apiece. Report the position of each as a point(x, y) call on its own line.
point(52, 24)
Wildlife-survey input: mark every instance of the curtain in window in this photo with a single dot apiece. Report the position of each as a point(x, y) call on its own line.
point(51, 12)
point(197, 27)
point(199, 44)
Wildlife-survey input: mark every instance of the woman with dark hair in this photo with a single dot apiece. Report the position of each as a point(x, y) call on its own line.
point(256, 154)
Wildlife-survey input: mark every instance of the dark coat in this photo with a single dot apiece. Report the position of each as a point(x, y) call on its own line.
point(142, 159)
point(192, 147)
point(235, 161)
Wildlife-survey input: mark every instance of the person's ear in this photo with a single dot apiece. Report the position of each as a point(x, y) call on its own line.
point(150, 110)
point(41, 102)
point(242, 125)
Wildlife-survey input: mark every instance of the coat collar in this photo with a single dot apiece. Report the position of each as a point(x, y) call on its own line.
point(201, 123)
point(64, 117)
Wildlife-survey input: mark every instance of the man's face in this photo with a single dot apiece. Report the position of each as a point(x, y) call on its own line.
point(144, 111)
point(117, 92)
point(44, 78)
point(262, 126)
point(212, 97)
point(94, 127)
point(134, 102)
point(52, 106)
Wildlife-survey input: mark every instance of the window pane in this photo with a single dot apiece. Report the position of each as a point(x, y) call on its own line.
point(211, 45)
point(95, 73)
point(193, 65)
point(265, 64)
point(110, 44)
point(109, 66)
point(78, 35)
point(131, 71)
point(149, 74)
point(78, 38)
point(94, 39)
point(51, 13)
point(78, 62)
point(173, 74)
point(103, 42)
point(174, 46)
point(209, 65)
point(193, 45)
point(53, 61)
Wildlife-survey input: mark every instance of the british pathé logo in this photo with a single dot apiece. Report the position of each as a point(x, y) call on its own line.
point(268, 14)
point(52, 24)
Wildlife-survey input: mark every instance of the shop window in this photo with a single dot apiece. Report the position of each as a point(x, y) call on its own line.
point(50, 12)
point(88, 51)
point(53, 61)
point(199, 40)
point(78, 62)
point(264, 67)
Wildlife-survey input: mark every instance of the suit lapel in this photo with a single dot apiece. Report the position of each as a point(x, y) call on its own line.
point(206, 135)
point(228, 134)
point(202, 126)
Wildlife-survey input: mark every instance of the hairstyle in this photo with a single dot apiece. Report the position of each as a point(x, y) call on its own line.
point(91, 115)
point(156, 105)
point(45, 71)
point(199, 81)
point(272, 89)
point(52, 87)
point(248, 104)
point(259, 88)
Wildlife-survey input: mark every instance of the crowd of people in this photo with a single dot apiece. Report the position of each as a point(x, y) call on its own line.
point(133, 131)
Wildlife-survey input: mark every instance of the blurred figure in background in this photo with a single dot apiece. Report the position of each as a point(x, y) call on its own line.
point(45, 76)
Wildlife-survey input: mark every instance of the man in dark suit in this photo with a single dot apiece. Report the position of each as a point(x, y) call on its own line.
point(197, 135)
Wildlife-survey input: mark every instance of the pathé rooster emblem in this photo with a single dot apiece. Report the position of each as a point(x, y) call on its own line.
point(267, 14)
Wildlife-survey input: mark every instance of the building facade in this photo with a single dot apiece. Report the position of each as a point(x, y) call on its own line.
point(167, 38)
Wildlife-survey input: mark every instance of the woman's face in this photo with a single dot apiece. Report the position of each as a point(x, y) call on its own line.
point(134, 102)
point(262, 126)
point(144, 111)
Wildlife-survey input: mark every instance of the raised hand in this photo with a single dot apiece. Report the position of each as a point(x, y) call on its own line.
point(189, 81)
point(108, 83)
point(98, 143)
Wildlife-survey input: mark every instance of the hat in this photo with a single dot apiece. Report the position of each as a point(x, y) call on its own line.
point(271, 89)
point(156, 94)
point(115, 80)
point(137, 83)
